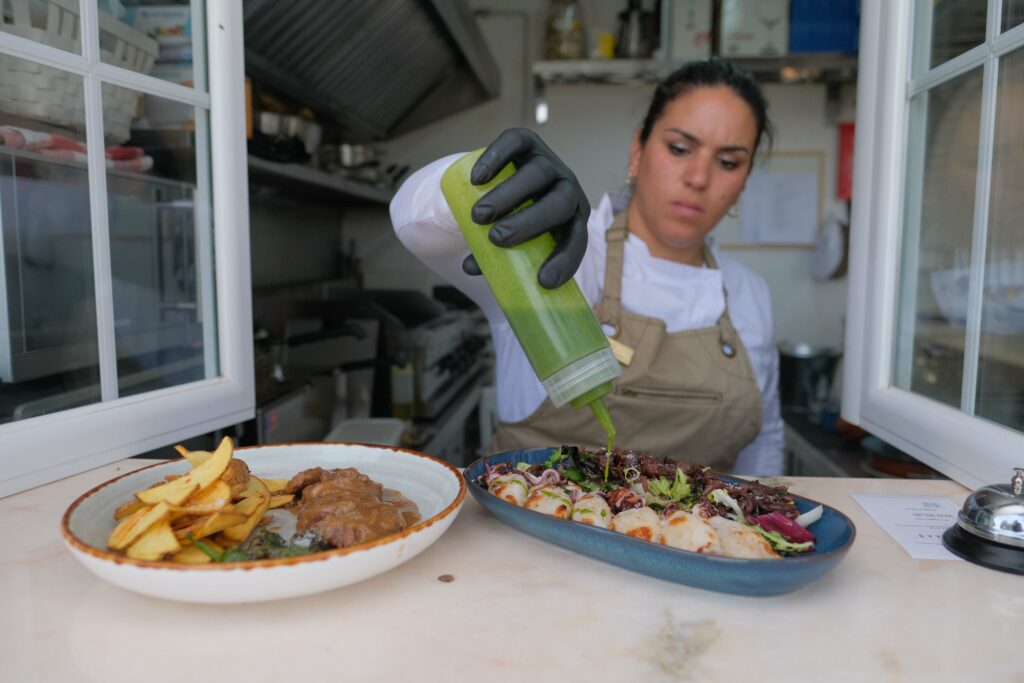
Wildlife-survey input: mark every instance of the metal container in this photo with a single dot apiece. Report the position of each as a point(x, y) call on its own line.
point(805, 374)
point(351, 156)
point(270, 123)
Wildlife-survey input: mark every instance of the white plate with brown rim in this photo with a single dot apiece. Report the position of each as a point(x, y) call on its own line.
point(436, 487)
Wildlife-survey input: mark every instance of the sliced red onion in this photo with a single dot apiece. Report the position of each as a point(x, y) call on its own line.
point(790, 530)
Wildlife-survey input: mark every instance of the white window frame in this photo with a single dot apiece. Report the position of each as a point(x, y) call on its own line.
point(45, 448)
point(966, 448)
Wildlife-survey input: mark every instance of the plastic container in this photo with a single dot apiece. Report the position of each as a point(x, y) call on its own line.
point(380, 431)
point(402, 387)
point(556, 327)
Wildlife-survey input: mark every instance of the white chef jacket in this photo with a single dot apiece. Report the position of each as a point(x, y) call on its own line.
point(685, 297)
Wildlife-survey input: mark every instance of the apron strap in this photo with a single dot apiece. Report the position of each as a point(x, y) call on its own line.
point(726, 332)
point(609, 309)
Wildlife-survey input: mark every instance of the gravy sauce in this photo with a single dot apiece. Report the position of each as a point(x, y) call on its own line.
point(345, 507)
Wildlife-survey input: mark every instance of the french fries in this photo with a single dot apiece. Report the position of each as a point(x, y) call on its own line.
point(218, 501)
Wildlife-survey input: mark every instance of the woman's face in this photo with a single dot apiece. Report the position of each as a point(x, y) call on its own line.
point(691, 170)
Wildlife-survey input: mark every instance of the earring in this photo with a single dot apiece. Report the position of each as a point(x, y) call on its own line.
point(733, 212)
point(631, 182)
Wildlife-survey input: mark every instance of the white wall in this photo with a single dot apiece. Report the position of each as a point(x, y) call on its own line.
point(590, 128)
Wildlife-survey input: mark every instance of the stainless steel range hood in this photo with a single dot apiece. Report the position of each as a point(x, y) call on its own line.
point(378, 67)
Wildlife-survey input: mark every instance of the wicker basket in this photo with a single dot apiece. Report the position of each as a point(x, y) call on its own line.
point(41, 93)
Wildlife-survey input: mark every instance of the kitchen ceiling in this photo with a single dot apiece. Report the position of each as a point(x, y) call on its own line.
point(378, 68)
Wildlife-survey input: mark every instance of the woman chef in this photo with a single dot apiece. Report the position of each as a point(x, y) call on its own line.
point(701, 384)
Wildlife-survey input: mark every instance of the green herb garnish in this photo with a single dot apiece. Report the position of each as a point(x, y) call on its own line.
point(664, 491)
point(207, 550)
point(574, 474)
point(556, 457)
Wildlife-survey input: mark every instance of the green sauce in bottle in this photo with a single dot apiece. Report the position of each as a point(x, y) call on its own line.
point(557, 329)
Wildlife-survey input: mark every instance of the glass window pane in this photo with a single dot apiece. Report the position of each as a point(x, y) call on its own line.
point(945, 29)
point(936, 255)
point(1000, 390)
point(48, 350)
point(160, 250)
point(1013, 14)
point(150, 39)
point(50, 22)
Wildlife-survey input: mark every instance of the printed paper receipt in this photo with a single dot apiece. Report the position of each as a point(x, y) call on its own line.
point(916, 522)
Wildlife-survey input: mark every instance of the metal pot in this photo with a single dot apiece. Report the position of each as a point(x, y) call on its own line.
point(805, 374)
point(352, 156)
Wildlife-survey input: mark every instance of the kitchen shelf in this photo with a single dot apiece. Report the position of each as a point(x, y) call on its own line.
point(147, 177)
point(312, 182)
point(798, 68)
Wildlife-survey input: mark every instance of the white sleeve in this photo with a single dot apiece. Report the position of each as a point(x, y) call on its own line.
point(753, 305)
point(424, 224)
point(763, 455)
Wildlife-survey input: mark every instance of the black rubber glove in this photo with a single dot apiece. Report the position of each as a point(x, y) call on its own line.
point(559, 205)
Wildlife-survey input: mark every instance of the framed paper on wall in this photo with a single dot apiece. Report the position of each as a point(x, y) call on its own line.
point(782, 204)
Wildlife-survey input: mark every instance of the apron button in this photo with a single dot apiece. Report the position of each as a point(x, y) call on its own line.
point(728, 349)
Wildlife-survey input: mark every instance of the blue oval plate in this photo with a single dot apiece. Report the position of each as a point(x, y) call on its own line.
point(834, 534)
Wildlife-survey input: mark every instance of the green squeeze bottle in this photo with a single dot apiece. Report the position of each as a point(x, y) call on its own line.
point(556, 328)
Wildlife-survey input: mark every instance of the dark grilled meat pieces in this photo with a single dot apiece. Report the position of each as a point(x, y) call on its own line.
point(346, 508)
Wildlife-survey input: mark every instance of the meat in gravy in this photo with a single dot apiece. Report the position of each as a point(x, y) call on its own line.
point(345, 507)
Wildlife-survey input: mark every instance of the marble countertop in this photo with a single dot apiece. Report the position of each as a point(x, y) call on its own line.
point(518, 609)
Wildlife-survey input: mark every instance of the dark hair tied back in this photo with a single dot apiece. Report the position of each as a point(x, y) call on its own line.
point(709, 73)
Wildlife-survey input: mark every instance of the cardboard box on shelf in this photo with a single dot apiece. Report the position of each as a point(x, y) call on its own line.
point(754, 28)
point(689, 30)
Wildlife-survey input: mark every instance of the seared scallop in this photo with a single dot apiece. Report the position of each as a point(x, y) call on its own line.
point(687, 531)
point(741, 541)
point(639, 522)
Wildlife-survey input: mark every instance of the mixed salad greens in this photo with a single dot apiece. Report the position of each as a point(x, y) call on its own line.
point(631, 479)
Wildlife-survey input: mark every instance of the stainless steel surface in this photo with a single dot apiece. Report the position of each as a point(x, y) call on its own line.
point(810, 67)
point(444, 346)
point(334, 55)
point(323, 349)
point(636, 32)
point(306, 182)
point(996, 512)
point(299, 337)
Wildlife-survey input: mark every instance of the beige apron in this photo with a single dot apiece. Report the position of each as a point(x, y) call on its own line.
point(689, 395)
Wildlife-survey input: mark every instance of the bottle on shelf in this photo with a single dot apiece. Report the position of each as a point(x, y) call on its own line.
point(564, 36)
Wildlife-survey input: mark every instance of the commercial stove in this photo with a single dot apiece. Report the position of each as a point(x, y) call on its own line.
point(446, 347)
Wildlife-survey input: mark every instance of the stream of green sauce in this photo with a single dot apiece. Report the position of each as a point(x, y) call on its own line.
point(604, 418)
